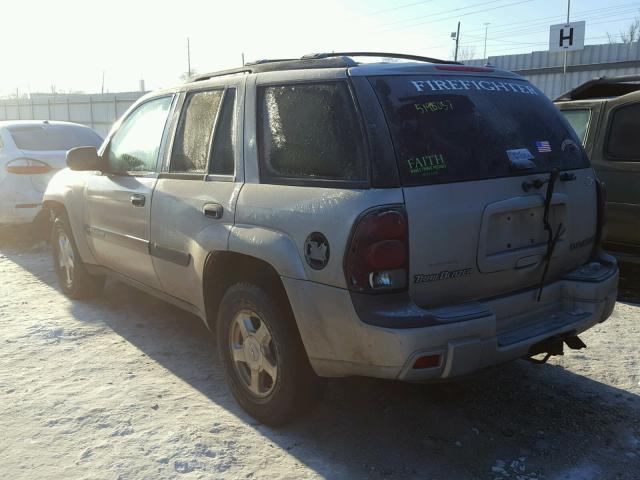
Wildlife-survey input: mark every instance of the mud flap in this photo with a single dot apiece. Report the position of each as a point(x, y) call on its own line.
point(554, 346)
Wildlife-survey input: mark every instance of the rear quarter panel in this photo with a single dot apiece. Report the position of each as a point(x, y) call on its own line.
point(274, 221)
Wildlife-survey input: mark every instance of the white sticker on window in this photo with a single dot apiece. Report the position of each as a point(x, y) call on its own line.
point(519, 155)
point(465, 84)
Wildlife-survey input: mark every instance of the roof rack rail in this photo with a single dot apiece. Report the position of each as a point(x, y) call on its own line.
point(220, 73)
point(314, 60)
point(404, 56)
point(262, 61)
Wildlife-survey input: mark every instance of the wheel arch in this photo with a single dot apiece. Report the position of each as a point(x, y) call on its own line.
point(53, 207)
point(225, 268)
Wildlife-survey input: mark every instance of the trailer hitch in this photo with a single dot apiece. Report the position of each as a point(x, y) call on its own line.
point(554, 346)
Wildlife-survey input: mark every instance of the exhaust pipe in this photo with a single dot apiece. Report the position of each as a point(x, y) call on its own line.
point(554, 346)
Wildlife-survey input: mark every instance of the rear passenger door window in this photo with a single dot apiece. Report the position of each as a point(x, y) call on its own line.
point(191, 147)
point(623, 143)
point(310, 132)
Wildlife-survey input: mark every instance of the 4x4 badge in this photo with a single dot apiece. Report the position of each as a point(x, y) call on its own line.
point(316, 250)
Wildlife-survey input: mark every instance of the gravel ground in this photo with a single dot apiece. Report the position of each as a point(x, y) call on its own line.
point(128, 387)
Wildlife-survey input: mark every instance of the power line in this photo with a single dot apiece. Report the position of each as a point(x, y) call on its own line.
point(392, 9)
point(537, 30)
point(467, 14)
point(442, 12)
point(545, 20)
point(540, 26)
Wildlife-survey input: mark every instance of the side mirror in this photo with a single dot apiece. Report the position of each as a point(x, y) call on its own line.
point(85, 159)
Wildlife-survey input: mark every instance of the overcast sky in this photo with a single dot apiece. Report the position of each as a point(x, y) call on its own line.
point(69, 43)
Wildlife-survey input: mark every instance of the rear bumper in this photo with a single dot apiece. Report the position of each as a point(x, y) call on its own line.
point(466, 337)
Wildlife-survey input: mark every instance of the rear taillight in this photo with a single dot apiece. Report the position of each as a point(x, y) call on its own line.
point(27, 166)
point(378, 255)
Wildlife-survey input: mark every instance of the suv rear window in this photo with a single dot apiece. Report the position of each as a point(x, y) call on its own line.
point(460, 128)
point(53, 137)
point(309, 132)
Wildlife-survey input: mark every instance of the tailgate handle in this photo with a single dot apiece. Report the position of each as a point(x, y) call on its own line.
point(212, 210)
point(138, 200)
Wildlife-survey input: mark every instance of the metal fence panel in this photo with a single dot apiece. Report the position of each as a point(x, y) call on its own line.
point(98, 111)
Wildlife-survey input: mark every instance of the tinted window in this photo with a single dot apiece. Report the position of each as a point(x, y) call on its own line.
point(624, 141)
point(135, 146)
point(53, 137)
point(447, 128)
point(193, 136)
point(310, 131)
point(223, 154)
point(579, 121)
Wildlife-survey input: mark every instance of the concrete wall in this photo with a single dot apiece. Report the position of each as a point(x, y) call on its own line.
point(544, 69)
point(98, 111)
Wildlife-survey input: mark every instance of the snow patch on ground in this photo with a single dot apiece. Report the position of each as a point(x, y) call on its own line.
point(127, 387)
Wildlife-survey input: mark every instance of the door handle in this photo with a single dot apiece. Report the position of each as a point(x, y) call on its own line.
point(138, 200)
point(212, 210)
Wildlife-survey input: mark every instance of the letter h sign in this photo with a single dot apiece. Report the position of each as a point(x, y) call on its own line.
point(567, 37)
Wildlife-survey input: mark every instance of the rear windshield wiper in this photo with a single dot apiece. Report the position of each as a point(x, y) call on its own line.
point(552, 238)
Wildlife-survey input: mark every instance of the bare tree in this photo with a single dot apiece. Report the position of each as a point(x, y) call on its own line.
point(464, 53)
point(628, 36)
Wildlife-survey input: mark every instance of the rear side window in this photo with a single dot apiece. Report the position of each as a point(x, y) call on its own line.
point(53, 137)
point(310, 132)
point(449, 129)
point(223, 153)
point(624, 141)
point(193, 137)
point(579, 121)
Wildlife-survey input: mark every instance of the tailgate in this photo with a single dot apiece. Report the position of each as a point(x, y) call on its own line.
point(473, 241)
point(474, 153)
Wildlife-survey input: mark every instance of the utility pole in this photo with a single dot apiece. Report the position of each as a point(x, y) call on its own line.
point(486, 30)
point(457, 35)
point(243, 59)
point(188, 59)
point(564, 69)
point(102, 89)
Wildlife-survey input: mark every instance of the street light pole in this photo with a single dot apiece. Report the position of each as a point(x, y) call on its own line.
point(455, 57)
point(188, 59)
point(486, 29)
point(564, 68)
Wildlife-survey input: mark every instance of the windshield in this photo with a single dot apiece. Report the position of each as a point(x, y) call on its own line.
point(460, 128)
point(53, 137)
point(579, 121)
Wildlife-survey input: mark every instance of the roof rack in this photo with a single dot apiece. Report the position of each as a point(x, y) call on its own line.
point(403, 56)
point(601, 87)
point(314, 60)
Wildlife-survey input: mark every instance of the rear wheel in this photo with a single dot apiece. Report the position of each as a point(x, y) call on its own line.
point(75, 281)
point(264, 360)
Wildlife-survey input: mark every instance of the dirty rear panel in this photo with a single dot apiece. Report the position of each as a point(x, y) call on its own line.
point(474, 153)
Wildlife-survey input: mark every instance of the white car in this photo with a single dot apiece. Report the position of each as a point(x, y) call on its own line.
point(31, 151)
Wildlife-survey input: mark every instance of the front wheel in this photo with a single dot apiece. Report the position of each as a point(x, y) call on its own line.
point(264, 360)
point(75, 281)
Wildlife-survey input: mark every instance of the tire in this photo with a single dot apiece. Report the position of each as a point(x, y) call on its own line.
point(270, 345)
point(73, 277)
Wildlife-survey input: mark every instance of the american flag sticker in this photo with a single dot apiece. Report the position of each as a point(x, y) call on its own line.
point(543, 146)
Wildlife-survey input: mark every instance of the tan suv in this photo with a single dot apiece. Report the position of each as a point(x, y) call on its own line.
point(414, 220)
point(605, 112)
